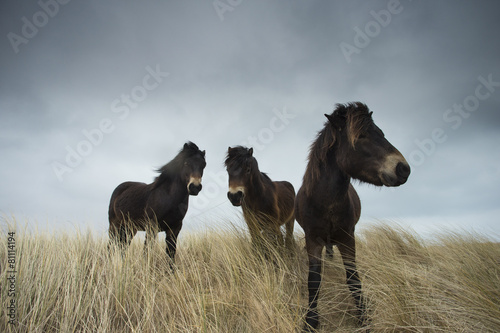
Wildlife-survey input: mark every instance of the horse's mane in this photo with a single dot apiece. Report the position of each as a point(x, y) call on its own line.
point(174, 166)
point(354, 118)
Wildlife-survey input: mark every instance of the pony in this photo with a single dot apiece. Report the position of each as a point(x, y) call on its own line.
point(350, 146)
point(266, 204)
point(160, 205)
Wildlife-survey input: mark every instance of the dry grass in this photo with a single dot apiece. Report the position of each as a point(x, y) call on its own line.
point(69, 283)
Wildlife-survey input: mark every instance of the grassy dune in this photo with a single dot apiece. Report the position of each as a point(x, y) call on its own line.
point(69, 283)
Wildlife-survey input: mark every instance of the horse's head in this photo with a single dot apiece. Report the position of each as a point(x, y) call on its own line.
point(362, 151)
point(192, 168)
point(239, 164)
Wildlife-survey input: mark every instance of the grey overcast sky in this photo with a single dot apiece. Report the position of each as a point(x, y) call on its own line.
point(94, 93)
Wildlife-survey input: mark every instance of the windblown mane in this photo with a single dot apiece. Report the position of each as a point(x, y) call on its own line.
point(174, 166)
point(354, 118)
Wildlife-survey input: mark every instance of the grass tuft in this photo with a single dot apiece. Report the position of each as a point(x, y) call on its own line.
point(73, 283)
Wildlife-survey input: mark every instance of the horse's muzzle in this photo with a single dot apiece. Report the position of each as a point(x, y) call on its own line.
point(399, 177)
point(235, 198)
point(194, 189)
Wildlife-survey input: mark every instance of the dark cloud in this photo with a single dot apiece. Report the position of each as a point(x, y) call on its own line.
point(229, 75)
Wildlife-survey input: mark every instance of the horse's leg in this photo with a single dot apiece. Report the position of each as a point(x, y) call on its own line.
point(348, 251)
point(289, 239)
point(273, 234)
point(314, 250)
point(114, 235)
point(278, 238)
point(171, 240)
point(149, 241)
point(126, 234)
point(255, 236)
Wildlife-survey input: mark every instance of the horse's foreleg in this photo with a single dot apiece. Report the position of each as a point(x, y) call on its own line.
point(255, 236)
point(171, 240)
point(314, 250)
point(348, 252)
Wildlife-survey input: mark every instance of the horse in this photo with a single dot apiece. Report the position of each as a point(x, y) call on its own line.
point(161, 205)
point(266, 204)
point(350, 146)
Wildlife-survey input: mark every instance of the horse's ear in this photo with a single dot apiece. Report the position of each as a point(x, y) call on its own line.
point(186, 146)
point(229, 149)
point(203, 153)
point(334, 120)
point(250, 151)
point(329, 137)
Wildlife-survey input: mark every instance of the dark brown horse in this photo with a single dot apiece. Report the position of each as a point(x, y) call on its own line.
point(327, 206)
point(134, 206)
point(266, 204)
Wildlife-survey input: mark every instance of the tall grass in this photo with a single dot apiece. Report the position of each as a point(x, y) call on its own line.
point(70, 283)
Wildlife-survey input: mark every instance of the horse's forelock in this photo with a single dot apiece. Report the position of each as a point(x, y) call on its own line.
point(190, 146)
point(358, 119)
point(236, 156)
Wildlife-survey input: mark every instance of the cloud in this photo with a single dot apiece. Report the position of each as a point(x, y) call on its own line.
point(226, 80)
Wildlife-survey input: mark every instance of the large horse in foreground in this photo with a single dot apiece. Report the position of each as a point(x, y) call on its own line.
point(159, 206)
point(266, 204)
point(327, 207)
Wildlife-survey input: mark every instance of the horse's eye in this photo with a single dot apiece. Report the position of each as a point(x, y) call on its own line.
point(248, 170)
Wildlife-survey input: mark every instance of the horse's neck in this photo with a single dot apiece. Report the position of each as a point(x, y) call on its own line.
point(334, 177)
point(171, 183)
point(257, 185)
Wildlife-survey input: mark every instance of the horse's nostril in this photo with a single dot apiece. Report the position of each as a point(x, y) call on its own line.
point(402, 170)
point(235, 198)
point(194, 189)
